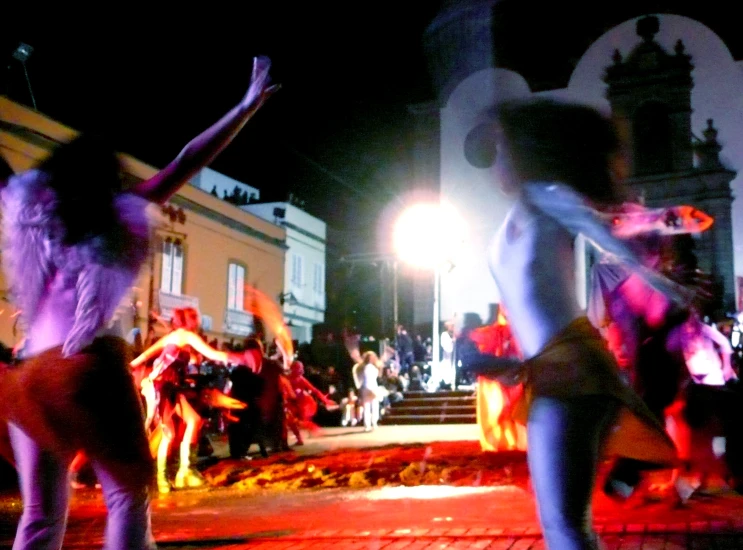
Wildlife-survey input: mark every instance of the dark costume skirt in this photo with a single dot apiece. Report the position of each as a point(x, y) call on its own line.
point(87, 402)
point(577, 362)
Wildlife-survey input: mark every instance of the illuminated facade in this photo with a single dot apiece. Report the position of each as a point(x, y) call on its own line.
point(303, 298)
point(203, 254)
point(703, 161)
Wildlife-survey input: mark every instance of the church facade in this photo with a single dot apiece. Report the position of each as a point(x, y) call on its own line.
point(673, 88)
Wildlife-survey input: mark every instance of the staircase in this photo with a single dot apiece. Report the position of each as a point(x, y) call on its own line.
point(441, 407)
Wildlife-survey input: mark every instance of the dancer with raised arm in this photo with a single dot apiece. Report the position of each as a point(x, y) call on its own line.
point(166, 393)
point(556, 161)
point(74, 242)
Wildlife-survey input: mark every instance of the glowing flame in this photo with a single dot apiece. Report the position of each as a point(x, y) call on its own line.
point(498, 430)
point(260, 305)
point(496, 403)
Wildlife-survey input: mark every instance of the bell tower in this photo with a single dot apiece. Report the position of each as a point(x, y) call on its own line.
point(650, 96)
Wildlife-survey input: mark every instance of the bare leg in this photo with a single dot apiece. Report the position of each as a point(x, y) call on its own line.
point(45, 491)
point(128, 525)
point(186, 476)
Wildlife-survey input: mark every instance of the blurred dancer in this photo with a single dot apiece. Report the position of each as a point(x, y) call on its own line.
point(301, 405)
point(74, 243)
point(557, 161)
point(365, 375)
point(637, 321)
point(166, 392)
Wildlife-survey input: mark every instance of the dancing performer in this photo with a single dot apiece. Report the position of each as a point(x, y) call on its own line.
point(637, 321)
point(166, 394)
point(557, 161)
point(712, 397)
point(74, 242)
point(301, 404)
point(257, 382)
point(365, 375)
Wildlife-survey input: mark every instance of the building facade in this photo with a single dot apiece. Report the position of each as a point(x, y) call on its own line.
point(671, 83)
point(303, 296)
point(202, 255)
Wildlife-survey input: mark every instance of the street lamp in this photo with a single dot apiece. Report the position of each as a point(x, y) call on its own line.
point(428, 235)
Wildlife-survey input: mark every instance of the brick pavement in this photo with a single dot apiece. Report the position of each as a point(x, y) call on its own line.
point(696, 535)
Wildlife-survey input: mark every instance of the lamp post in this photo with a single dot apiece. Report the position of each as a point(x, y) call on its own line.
point(436, 339)
point(427, 235)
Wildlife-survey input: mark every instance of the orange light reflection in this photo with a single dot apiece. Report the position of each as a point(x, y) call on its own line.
point(260, 305)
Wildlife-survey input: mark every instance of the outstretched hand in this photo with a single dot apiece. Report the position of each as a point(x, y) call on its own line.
point(351, 342)
point(260, 89)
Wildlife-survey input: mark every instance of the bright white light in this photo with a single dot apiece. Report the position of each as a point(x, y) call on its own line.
point(430, 492)
point(428, 234)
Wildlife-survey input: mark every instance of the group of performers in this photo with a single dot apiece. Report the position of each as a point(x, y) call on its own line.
point(74, 241)
point(265, 400)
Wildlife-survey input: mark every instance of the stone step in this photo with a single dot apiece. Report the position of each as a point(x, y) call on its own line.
point(429, 419)
point(442, 394)
point(435, 402)
point(417, 411)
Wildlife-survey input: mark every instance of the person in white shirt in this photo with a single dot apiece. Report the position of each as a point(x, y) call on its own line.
point(447, 367)
point(365, 375)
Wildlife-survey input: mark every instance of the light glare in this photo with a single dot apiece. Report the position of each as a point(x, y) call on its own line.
point(427, 235)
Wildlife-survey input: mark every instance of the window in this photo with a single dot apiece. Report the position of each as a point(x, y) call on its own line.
point(297, 271)
point(318, 282)
point(171, 276)
point(653, 139)
point(236, 287)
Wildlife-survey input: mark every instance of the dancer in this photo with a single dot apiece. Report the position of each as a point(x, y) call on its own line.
point(74, 243)
point(637, 321)
point(557, 161)
point(257, 382)
point(496, 398)
point(165, 392)
point(365, 375)
point(712, 396)
point(301, 406)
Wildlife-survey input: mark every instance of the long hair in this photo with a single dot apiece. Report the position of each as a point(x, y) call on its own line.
point(186, 318)
point(85, 175)
point(5, 170)
point(563, 142)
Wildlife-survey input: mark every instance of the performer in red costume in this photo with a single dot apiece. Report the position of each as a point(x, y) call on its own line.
point(301, 406)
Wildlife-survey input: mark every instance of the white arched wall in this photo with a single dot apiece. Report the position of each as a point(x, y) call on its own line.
point(717, 94)
point(469, 288)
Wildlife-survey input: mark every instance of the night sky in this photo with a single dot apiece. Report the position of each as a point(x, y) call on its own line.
point(151, 83)
point(338, 133)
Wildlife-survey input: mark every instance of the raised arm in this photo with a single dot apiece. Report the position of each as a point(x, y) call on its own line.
point(204, 148)
point(182, 337)
point(151, 352)
point(308, 386)
point(570, 210)
point(357, 374)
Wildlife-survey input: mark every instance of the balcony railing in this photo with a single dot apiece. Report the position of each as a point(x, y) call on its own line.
point(168, 302)
point(238, 322)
